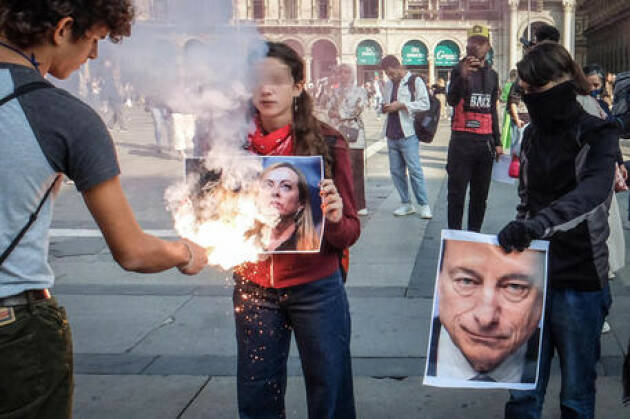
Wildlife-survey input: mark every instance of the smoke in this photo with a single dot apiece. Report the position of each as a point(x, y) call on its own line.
point(196, 62)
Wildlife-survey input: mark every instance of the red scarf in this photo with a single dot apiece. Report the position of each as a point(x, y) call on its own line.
point(277, 143)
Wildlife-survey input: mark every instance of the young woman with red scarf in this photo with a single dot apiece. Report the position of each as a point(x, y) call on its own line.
point(299, 292)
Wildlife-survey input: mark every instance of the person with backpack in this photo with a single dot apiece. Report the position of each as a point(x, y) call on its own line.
point(296, 292)
point(46, 133)
point(404, 96)
point(476, 137)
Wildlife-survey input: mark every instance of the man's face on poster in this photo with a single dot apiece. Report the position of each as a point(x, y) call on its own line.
point(490, 302)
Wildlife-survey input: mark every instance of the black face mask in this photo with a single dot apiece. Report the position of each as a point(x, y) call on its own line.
point(553, 108)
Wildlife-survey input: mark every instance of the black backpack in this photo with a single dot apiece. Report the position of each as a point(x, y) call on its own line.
point(425, 123)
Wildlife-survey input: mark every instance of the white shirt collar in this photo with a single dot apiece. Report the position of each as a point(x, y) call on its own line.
point(451, 363)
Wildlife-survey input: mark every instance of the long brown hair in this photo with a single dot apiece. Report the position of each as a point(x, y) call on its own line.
point(309, 140)
point(549, 61)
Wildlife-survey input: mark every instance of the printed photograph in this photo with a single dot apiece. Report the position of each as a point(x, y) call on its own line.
point(286, 192)
point(488, 314)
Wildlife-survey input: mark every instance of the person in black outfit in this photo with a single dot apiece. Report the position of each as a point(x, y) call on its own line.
point(475, 139)
point(565, 189)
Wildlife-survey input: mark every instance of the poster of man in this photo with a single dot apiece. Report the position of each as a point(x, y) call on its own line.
point(488, 314)
point(286, 192)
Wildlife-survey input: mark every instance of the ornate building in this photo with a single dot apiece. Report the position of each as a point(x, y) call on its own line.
point(603, 34)
point(429, 36)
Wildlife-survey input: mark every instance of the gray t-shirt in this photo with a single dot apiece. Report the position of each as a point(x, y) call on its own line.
point(42, 133)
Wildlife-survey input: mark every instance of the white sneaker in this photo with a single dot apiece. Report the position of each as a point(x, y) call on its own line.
point(606, 327)
point(425, 212)
point(363, 211)
point(404, 209)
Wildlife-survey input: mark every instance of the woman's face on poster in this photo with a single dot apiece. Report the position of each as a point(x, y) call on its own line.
point(281, 191)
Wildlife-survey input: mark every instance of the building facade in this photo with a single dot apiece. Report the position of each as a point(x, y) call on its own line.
point(429, 36)
point(603, 34)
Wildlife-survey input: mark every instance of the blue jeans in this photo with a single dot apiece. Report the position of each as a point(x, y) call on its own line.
point(573, 326)
point(404, 154)
point(319, 314)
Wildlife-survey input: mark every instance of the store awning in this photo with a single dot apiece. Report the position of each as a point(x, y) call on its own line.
point(414, 53)
point(446, 54)
point(369, 53)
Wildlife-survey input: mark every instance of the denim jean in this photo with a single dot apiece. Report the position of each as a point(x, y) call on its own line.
point(573, 326)
point(36, 378)
point(318, 313)
point(404, 155)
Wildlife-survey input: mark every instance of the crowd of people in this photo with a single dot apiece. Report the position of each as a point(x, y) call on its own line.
point(561, 130)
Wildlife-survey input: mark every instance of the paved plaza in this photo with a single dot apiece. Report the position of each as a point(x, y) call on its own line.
point(163, 346)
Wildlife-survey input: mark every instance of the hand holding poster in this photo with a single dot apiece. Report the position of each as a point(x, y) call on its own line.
point(488, 314)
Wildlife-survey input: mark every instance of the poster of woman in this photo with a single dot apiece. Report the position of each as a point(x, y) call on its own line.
point(286, 192)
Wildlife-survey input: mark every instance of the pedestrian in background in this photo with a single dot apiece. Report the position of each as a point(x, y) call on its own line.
point(507, 127)
point(345, 113)
point(402, 143)
point(53, 133)
point(476, 138)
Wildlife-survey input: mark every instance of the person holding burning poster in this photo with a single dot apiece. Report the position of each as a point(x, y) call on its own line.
point(46, 132)
point(300, 292)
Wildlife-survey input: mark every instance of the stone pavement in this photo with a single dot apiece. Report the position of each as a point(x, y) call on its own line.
point(163, 346)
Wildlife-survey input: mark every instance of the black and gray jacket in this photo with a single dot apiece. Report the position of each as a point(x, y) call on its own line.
point(566, 185)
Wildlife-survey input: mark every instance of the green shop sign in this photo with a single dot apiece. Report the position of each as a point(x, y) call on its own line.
point(369, 53)
point(414, 53)
point(446, 54)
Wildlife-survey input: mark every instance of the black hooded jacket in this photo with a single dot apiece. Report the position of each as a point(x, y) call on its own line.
point(566, 185)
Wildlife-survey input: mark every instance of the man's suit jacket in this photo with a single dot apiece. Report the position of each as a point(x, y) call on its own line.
point(531, 356)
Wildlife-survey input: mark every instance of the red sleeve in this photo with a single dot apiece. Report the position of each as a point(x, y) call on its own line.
point(346, 232)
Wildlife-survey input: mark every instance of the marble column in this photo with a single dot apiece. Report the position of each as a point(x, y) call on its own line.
point(513, 39)
point(568, 36)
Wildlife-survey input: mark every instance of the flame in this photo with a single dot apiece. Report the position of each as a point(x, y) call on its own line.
point(226, 217)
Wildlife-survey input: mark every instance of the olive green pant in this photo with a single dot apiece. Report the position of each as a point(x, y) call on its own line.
point(35, 362)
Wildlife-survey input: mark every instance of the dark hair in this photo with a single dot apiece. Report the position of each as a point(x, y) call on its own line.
point(308, 138)
point(591, 69)
point(549, 61)
point(30, 23)
point(546, 32)
point(390, 61)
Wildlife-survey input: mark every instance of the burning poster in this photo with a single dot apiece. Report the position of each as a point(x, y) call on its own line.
point(251, 206)
point(488, 312)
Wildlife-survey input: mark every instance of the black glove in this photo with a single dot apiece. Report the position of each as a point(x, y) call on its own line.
point(517, 235)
